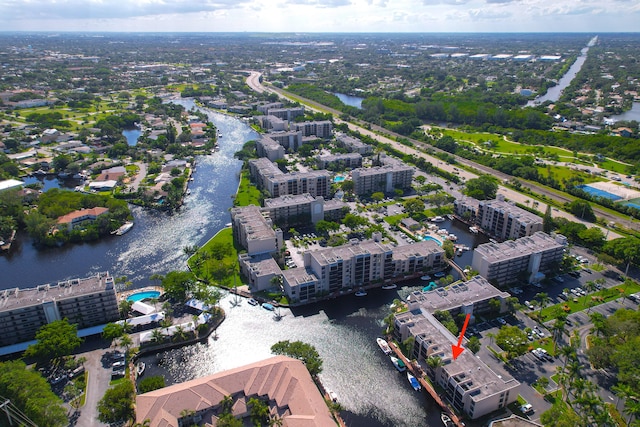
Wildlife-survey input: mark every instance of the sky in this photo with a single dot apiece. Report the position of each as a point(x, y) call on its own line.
point(590, 16)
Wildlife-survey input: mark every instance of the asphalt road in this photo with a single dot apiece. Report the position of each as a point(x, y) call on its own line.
point(253, 81)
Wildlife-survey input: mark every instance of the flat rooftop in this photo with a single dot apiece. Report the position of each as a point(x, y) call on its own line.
point(513, 210)
point(440, 299)
point(328, 256)
point(12, 299)
point(288, 200)
point(537, 242)
point(298, 276)
point(254, 223)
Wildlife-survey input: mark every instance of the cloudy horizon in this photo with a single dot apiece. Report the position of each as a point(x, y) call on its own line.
point(320, 15)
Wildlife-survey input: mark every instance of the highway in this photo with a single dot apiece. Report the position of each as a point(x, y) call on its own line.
point(383, 135)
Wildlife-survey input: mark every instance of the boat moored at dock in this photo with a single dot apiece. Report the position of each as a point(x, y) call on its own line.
point(384, 346)
point(398, 363)
point(414, 382)
point(123, 229)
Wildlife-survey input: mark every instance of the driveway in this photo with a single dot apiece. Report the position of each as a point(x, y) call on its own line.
point(98, 368)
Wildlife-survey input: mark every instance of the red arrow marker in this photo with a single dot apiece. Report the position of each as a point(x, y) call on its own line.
point(456, 349)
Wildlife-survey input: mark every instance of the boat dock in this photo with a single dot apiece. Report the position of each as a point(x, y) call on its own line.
point(417, 372)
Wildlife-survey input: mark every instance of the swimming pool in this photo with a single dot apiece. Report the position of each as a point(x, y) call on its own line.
point(432, 238)
point(339, 178)
point(139, 296)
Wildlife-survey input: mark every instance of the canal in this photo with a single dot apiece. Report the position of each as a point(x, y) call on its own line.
point(343, 331)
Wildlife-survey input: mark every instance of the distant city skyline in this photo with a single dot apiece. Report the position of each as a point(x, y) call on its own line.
point(427, 16)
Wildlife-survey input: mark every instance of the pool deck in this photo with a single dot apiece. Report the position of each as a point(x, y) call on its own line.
point(126, 294)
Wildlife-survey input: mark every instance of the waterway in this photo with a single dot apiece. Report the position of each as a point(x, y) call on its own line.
point(155, 243)
point(343, 330)
point(354, 101)
point(632, 114)
point(554, 93)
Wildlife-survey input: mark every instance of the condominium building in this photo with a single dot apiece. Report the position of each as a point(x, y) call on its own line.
point(259, 270)
point(272, 123)
point(269, 148)
point(288, 114)
point(264, 109)
point(302, 209)
point(363, 263)
point(527, 259)
point(381, 178)
point(85, 302)
point(290, 140)
point(499, 218)
point(317, 183)
point(347, 160)
point(471, 297)
point(283, 383)
point(468, 383)
point(261, 170)
point(352, 144)
point(254, 230)
point(321, 129)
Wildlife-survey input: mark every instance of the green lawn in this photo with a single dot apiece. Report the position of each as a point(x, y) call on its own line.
point(614, 166)
point(247, 194)
point(563, 172)
point(582, 303)
point(223, 272)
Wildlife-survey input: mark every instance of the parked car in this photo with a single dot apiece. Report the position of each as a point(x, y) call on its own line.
point(526, 408)
point(528, 305)
point(502, 321)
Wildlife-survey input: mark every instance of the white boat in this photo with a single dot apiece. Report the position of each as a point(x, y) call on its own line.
point(333, 396)
point(398, 363)
point(474, 229)
point(389, 286)
point(361, 293)
point(384, 346)
point(140, 369)
point(437, 219)
point(446, 420)
point(452, 237)
point(124, 228)
point(459, 252)
point(425, 277)
point(414, 382)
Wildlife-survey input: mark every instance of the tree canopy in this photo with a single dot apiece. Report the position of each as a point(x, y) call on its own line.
point(117, 403)
point(301, 351)
point(31, 394)
point(484, 187)
point(56, 339)
point(177, 284)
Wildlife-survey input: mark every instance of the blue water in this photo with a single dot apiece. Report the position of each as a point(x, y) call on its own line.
point(354, 101)
point(139, 296)
point(599, 193)
point(338, 178)
point(633, 205)
point(132, 135)
point(432, 238)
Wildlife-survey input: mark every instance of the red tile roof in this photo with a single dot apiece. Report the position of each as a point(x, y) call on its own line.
point(92, 213)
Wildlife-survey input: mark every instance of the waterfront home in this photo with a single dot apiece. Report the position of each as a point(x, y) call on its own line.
point(83, 216)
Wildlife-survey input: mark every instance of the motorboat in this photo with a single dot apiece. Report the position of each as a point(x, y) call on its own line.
point(361, 293)
point(333, 396)
point(384, 346)
point(124, 228)
point(389, 286)
point(452, 237)
point(474, 229)
point(437, 219)
point(252, 301)
point(140, 367)
point(414, 382)
point(398, 363)
point(446, 420)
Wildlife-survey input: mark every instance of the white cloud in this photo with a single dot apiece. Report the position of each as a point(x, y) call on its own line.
point(319, 15)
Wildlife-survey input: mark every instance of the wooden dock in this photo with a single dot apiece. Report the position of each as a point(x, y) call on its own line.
point(417, 372)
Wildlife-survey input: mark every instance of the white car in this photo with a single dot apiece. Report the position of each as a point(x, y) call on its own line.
point(526, 408)
point(528, 305)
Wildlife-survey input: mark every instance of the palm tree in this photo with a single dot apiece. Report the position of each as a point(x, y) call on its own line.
point(157, 335)
point(559, 329)
point(433, 362)
point(543, 300)
point(623, 391)
point(126, 342)
point(632, 407)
